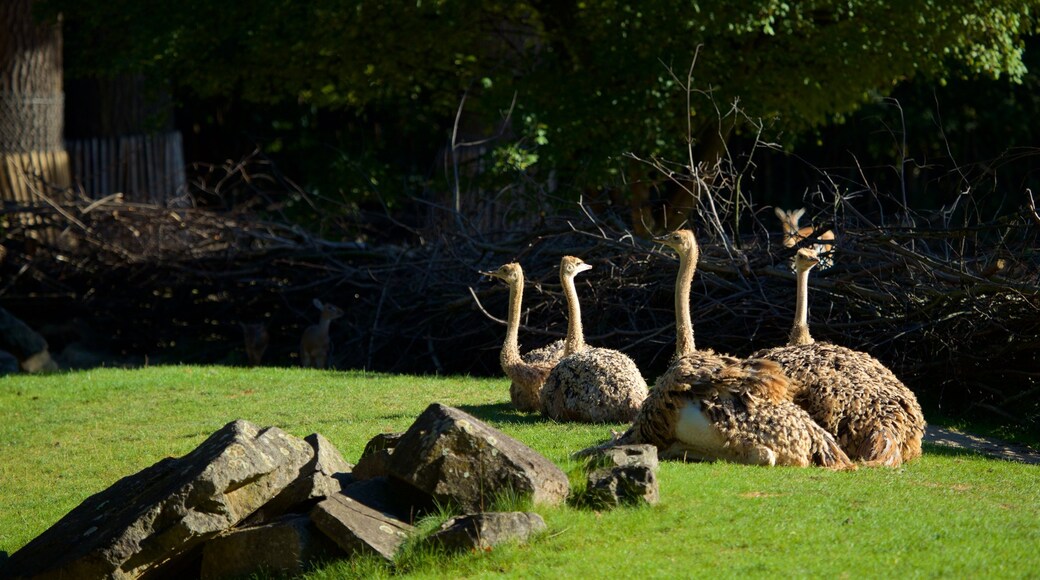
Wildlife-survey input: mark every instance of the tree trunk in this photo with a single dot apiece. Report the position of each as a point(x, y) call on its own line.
point(32, 154)
point(659, 204)
point(711, 145)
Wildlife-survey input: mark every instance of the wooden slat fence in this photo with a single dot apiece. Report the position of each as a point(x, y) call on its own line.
point(145, 168)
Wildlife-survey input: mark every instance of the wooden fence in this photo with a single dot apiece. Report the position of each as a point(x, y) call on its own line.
point(145, 168)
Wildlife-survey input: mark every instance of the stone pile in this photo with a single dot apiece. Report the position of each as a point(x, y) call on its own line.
point(252, 499)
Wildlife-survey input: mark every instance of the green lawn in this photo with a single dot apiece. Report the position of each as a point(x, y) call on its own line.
point(65, 437)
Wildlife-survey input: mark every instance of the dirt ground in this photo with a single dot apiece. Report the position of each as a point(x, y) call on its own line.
point(988, 446)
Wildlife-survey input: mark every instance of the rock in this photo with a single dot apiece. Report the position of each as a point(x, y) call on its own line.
point(622, 455)
point(40, 362)
point(359, 529)
point(482, 531)
point(8, 363)
point(376, 456)
point(381, 442)
point(281, 548)
point(153, 521)
point(620, 475)
point(17, 338)
point(326, 474)
point(611, 487)
point(459, 459)
point(79, 355)
point(393, 498)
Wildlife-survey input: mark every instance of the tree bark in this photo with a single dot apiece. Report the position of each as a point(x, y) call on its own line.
point(32, 153)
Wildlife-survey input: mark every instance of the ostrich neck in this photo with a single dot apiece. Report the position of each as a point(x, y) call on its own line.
point(575, 336)
point(511, 347)
point(800, 329)
point(684, 344)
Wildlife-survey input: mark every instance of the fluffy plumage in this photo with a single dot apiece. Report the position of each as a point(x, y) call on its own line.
point(708, 406)
point(873, 415)
point(528, 372)
point(589, 384)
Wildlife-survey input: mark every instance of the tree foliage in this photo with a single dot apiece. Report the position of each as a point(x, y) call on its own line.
point(592, 78)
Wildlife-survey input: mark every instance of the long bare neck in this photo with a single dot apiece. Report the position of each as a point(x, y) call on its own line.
point(800, 328)
point(511, 347)
point(684, 344)
point(575, 341)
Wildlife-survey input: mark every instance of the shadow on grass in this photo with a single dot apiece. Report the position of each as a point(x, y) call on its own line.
point(503, 413)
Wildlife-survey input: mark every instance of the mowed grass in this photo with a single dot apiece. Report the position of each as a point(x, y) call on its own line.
point(64, 437)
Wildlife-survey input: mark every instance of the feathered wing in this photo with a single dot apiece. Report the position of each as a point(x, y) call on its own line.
point(595, 385)
point(875, 418)
point(742, 415)
point(529, 376)
point(549, 354)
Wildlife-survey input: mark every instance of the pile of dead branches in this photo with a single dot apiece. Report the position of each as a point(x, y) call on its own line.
point(954, 311)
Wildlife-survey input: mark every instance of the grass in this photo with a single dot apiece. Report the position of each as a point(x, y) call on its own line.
point(65, 437)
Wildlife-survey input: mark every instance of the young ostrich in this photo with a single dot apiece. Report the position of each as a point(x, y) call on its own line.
point(527, 372)
point(592, 385)
point(708, 406)
point(874, 416)
point(794, 234)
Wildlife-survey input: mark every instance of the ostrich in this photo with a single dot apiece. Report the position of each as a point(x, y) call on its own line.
point(874, 416)
point(529, 371)
point(708, 406)
point(589, 384)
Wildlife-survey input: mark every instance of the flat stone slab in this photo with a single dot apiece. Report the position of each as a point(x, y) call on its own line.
point(150, 521)
point(456, 458)
point(485, 530)
point(359, 529)
point(281, 548)
point(393, 498)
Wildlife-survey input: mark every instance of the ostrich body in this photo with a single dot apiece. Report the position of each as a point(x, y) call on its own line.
point(874, 416)
point(527, 372)
point(709, 406)
point(592, 385)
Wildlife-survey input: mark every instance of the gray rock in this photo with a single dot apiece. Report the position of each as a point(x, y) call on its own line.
point(8, 363)
point(17, 338)
point(459, 459)
point(622, 455)
point(376, 456)
point(153, 521)
point(325, 475)
point(359, 529)
point(381, 442)
point(611, 487)
point(283, 547)
point(482, 531)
